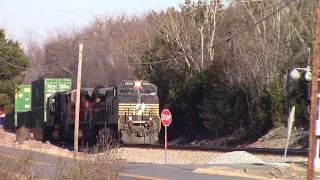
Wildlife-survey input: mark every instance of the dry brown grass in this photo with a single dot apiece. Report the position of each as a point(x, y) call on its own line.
point(2, 135)
point(101, 162)
point(293, 172)
point(12, 168)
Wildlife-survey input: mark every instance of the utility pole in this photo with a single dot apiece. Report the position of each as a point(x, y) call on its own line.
point(76, 123)
point(314, 100)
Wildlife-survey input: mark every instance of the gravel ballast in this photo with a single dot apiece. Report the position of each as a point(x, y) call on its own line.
point(157, 156)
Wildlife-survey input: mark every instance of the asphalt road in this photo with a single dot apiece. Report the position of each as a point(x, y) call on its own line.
point(45, 164)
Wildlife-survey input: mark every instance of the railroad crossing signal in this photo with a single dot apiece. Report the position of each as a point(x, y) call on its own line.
point(166, 117)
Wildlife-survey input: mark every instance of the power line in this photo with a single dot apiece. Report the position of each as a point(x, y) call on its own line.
point(226, 39)
point(260, 21)
point(223, 3)
point(283, 1)
point(232, 3)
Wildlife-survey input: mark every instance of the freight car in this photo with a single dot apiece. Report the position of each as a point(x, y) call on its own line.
point(30, 104)
point(128, 110)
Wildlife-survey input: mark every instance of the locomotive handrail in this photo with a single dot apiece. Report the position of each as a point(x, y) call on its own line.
point(159, 119)
point(119, 119)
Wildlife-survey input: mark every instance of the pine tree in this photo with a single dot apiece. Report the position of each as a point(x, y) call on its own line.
point(13, 62)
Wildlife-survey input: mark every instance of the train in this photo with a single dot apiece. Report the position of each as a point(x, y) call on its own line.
point(127, 110)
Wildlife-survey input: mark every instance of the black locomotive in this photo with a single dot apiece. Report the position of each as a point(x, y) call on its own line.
point(128, 110)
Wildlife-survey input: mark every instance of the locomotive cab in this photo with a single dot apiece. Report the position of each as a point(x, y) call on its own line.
point(138, 111)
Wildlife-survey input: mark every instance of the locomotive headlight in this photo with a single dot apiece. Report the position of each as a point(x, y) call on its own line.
point(146, 124)
point(137, 84)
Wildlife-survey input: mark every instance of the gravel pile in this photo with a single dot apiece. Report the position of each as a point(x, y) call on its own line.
point(236, 157)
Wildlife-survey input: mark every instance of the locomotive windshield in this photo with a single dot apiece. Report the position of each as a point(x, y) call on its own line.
point(143, 88)
point(149, 90)
point(127, 91)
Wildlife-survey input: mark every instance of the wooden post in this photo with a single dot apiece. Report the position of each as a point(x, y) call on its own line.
point(76, 123)
point(314, 100)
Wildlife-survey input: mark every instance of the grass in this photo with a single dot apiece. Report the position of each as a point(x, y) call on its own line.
point(100, 162)
point(18, 168)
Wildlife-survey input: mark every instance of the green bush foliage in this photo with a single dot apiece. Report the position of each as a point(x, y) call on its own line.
point(203, 103)
point(12, 62)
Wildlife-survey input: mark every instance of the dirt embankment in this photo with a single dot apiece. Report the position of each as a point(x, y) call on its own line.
point(24, 140)
point(275, 138)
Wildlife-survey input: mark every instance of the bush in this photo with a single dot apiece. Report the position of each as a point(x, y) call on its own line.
point(23, 134)
point(101, 162)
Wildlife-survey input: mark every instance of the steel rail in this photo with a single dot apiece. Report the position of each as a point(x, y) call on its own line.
point(270, 151)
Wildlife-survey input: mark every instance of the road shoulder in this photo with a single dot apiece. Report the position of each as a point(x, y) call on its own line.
point(268, 171)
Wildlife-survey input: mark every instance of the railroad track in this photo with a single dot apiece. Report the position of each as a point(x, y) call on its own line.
point(269, 151)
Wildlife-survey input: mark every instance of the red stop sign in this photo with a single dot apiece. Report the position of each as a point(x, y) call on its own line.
point(166, 117)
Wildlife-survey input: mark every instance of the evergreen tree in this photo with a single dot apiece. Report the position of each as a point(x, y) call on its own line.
point(13, 62)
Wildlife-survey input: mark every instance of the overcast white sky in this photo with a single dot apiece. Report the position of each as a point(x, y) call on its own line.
point(18, 17)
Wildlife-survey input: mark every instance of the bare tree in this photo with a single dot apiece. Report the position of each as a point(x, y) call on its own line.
point(36, 55)
point(260, 55)
point(108, 43)
point(193, 29)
